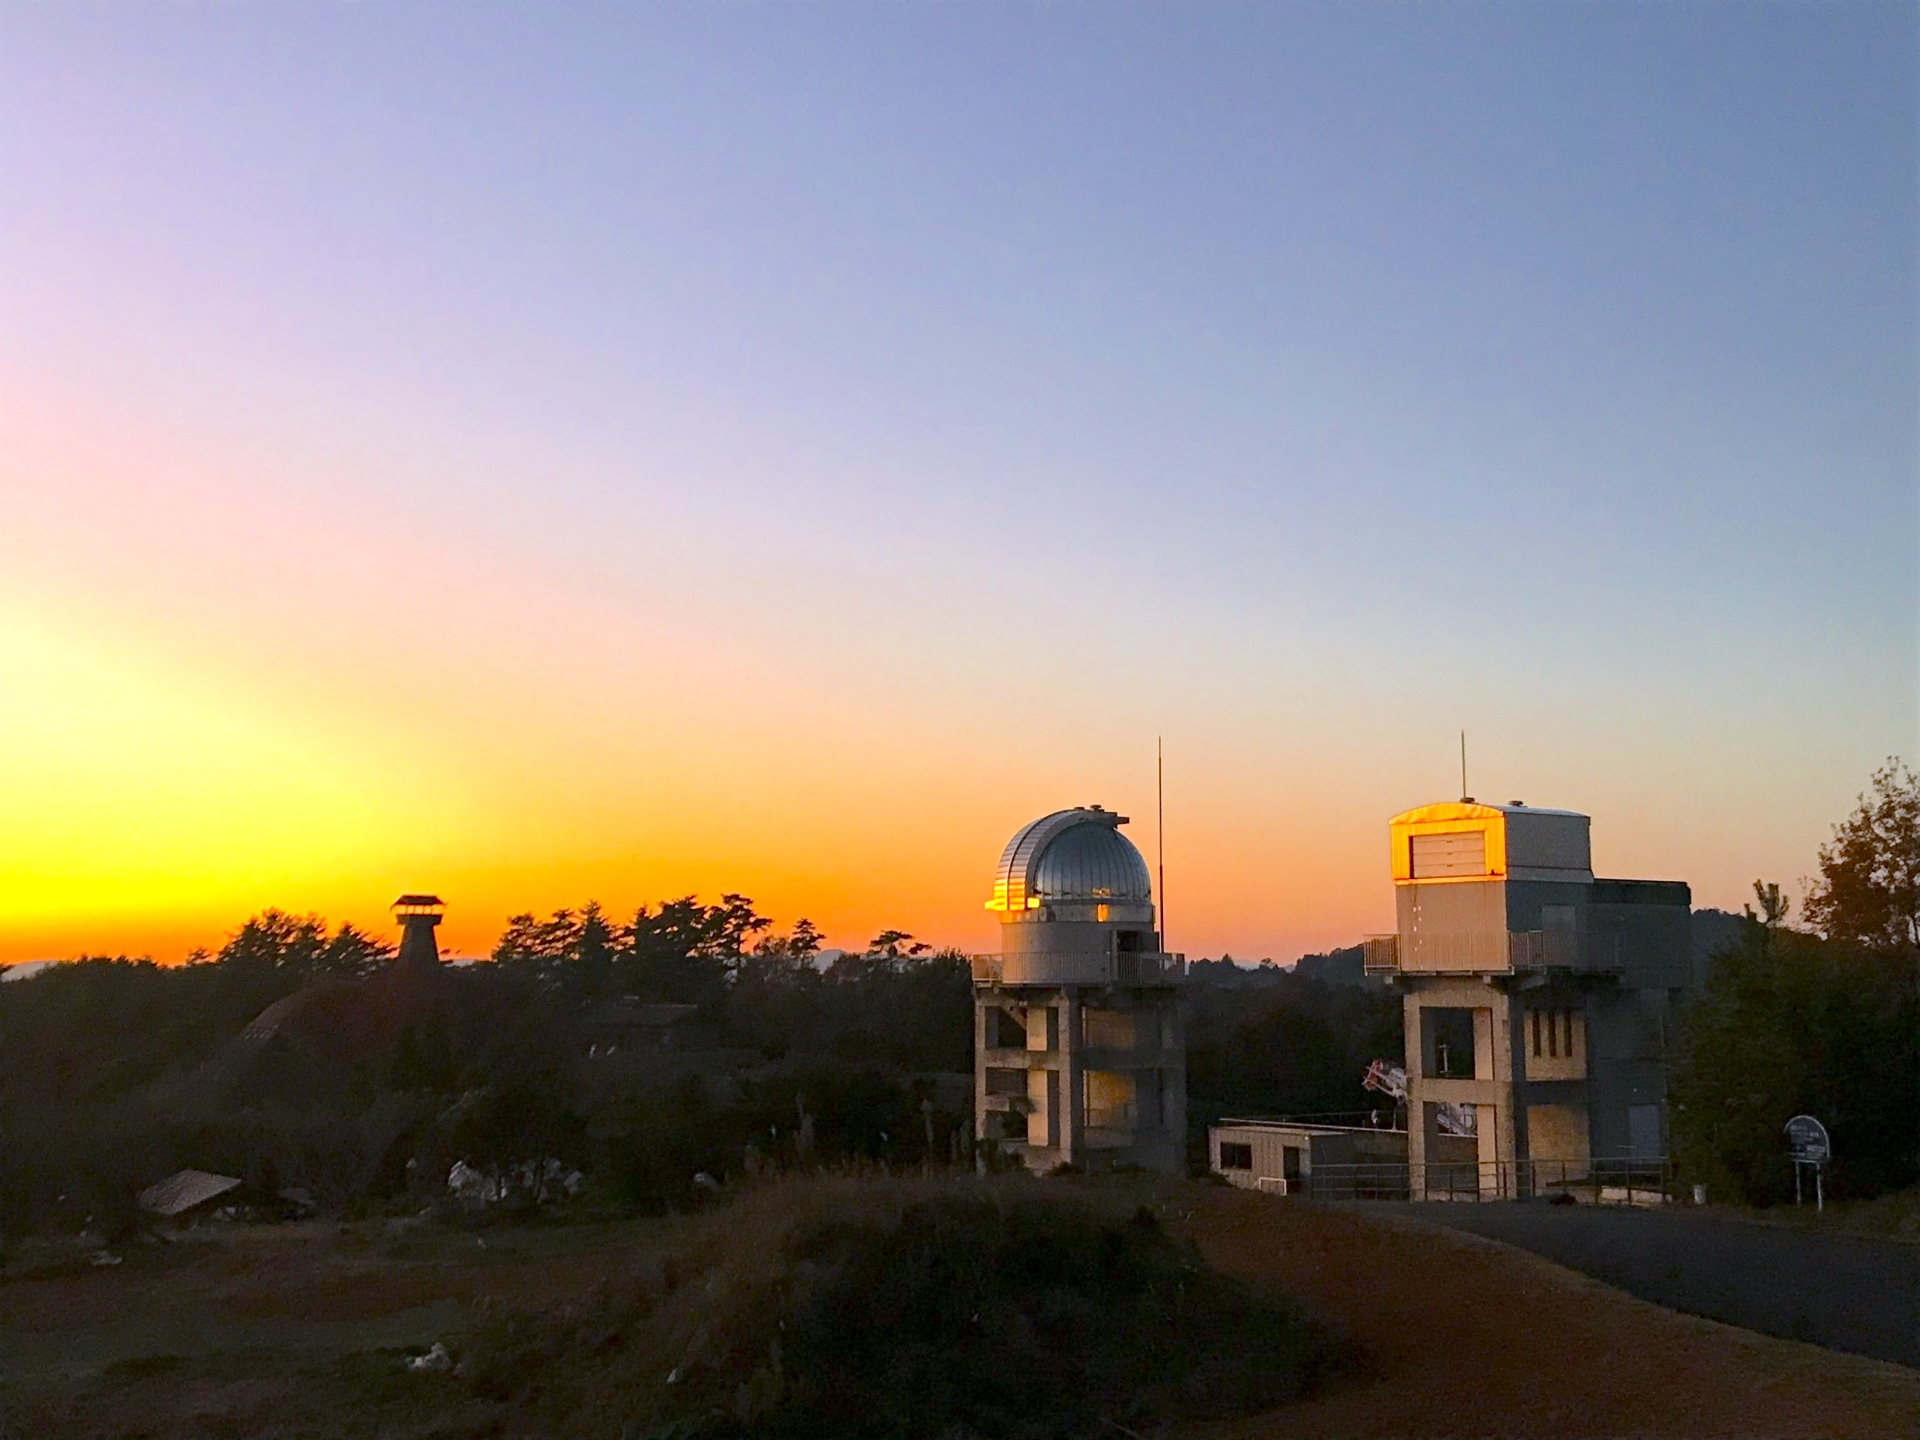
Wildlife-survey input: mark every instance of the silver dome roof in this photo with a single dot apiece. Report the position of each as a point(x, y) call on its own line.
point(1070, 855)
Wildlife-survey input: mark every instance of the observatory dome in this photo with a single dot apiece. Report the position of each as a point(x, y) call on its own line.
point(1091, 862)
point(1070, 855)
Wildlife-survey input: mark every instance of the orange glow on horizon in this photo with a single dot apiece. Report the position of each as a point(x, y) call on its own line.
point(199, 727)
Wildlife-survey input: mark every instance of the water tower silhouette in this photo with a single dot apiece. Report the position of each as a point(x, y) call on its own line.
point(419, 914)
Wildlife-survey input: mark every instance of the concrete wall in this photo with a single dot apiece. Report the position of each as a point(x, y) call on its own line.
point(1527, 900)
point(1548, 840)
point(1073, 942)
point(1642, 930)
point(1628, 1032)
point(1100, 1079)
point(1614, 1065)
point(1553, 1041)
point(1557, 1137)
point(1452, 926)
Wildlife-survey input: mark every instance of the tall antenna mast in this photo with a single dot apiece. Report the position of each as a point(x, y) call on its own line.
point(1160, 828)
point(1464, 795)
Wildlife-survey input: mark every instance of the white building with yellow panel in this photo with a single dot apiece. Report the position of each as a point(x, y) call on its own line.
point(1537, 998)
point(1080, 1054)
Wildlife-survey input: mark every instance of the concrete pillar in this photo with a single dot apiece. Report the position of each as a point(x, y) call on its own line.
point(1043, 1124)
point(1483, 1047)
point(1173, 1076)
point(1415, 1060)
point(1487, 1120)
point(980, 1035)
point(1073, 1101)
point(1513, 1046)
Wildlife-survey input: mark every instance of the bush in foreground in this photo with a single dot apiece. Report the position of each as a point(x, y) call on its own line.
point(926, 1309)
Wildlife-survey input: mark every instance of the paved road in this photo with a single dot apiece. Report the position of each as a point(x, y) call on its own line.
point(1838, 1291)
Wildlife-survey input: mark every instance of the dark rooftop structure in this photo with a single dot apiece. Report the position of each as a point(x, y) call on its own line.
point(419, 914)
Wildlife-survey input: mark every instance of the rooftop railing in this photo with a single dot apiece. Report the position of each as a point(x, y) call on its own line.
point(1490, 952)
point(1078, 968)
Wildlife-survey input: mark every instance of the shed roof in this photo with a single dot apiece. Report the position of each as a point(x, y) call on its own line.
point(630, 1010)
point(179, 1193)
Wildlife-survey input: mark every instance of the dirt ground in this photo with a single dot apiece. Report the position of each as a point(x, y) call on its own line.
point(274, 1330)
point(308, 1289)
point(302, 1331)
point(1474, 1338)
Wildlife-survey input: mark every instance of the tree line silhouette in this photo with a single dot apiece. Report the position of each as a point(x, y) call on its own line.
point(796, 1056)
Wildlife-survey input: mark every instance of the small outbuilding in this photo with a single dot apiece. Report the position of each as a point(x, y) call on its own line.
point(626, 1022)
point(1329, 1162)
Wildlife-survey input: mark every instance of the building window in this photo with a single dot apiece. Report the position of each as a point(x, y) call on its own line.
point(1446, 1043)
point(1004, 1031)
point(1235, 1156)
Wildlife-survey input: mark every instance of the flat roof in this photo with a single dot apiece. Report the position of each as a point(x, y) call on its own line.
point(1478, 810)
point(1310, 1127)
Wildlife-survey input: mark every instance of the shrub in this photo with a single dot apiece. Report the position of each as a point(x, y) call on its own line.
point(959, 1308)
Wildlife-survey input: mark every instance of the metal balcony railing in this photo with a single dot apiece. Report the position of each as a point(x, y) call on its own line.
point(1079, 968)
point(1470, 953)
point(1602, 1181)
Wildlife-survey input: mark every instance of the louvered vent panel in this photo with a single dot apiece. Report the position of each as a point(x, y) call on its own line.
point(1438, 856)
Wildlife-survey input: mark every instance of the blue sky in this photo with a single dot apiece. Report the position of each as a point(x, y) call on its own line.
point(839, 408)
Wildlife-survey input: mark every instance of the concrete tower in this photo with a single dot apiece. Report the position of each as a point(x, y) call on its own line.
point(1537, 999)
point(419, 951)
point(1080, 1054)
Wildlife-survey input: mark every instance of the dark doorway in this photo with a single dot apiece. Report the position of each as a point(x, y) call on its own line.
point(1446, 1043)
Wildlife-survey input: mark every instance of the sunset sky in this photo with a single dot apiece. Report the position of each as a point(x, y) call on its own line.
point(535, 453)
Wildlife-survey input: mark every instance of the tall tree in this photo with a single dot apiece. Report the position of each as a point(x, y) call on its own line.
point(275, 940)
point(298, 949)
point(1868, 891)
point(687, 952)
point(352, 954)
point(534, 945)
point(1791, 1022)
point(774, 1002)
